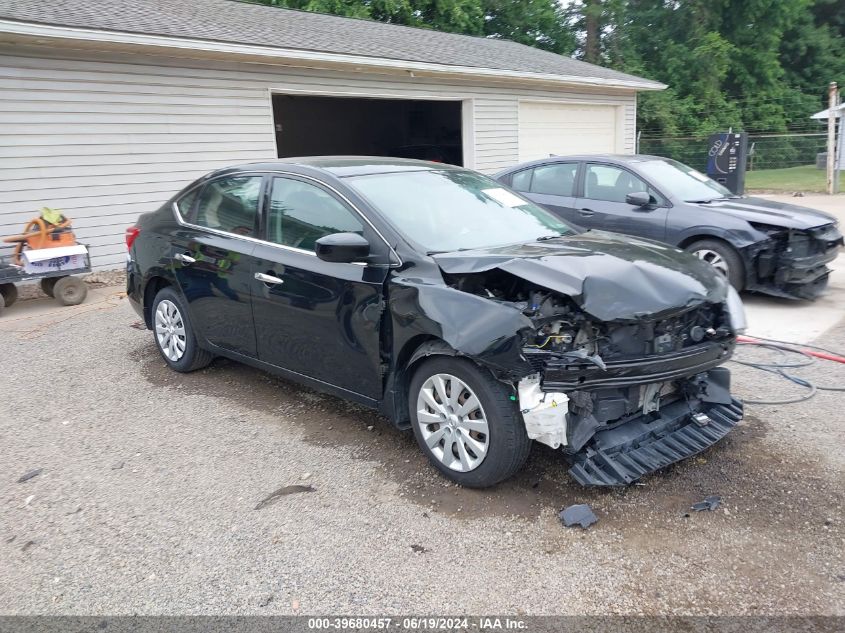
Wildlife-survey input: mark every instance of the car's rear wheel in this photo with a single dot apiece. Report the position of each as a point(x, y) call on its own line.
point(466, 423)
point(723, 258)
point(174, 334)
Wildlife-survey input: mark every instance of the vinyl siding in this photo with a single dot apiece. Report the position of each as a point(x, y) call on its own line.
point(108, 138)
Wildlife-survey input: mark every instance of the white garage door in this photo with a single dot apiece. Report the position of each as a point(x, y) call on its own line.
point(547, 128)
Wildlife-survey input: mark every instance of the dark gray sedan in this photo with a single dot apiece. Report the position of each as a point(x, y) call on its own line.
point(758, 244)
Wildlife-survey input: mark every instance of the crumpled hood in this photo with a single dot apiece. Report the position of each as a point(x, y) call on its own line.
point(610, 276)
point(764, 211)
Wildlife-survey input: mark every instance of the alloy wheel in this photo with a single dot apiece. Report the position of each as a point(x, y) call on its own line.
point(452, 422)
point(170, 330)
point(714, 259)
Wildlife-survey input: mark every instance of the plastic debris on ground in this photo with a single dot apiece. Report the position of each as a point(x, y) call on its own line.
point(579, 514)
point(283, 492)
point(30, 475)
point(710, 503)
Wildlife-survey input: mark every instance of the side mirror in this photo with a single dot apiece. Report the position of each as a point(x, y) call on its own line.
point(638, 199)
point(342, 248)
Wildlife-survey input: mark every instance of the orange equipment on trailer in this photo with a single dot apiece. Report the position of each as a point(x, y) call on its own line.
point(50, 230)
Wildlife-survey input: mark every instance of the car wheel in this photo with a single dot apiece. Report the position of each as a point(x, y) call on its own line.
point(9, 292)
point(47, 285)
point(723, 258)
point(174, 334)
point(466, 423)
point(70, 291)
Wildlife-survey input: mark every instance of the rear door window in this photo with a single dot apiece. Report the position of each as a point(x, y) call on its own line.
point(555, 180)
point(230, 205)
point(185, 204)
point(521, 180)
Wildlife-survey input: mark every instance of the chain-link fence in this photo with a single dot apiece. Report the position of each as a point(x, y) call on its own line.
point(767, 150)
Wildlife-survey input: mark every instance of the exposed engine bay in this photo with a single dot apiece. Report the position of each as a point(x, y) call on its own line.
point(591, 377)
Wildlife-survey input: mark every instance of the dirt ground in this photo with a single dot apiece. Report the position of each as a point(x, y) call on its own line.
point(149, 481)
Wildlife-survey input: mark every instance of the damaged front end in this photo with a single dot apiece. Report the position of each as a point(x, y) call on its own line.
point(792, 263)
point(620, 397)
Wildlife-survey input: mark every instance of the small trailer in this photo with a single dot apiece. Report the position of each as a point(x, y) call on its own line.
point(53, 267)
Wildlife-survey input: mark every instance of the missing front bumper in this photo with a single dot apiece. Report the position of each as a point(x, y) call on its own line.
point(797, 273)
point(622, 455)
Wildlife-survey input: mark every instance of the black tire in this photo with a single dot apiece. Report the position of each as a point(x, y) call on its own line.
point(736, 268)
point(2, 304)
point(193, 357)
point(9, 292)
point(508, 443)
point(70, 291)
point(47, 285)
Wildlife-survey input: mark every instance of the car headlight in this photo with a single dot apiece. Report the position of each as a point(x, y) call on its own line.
point(736, 311)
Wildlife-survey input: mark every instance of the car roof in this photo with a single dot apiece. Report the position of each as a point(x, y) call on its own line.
point(343, 166)
point(610, 158)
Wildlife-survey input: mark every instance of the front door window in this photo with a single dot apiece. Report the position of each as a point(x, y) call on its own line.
point(301, 213)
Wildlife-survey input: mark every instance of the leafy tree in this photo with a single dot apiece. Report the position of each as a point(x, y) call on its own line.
point(540, 23)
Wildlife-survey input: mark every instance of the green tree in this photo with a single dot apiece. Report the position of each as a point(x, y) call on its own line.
point(812, 53)
point(540, 23)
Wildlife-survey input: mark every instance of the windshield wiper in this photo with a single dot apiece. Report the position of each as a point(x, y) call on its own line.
point(543, 238)
point(709, 200)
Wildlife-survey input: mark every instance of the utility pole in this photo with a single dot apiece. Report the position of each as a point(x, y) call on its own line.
point(833, 101)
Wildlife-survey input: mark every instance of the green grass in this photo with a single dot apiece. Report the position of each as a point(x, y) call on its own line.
point(804, 178)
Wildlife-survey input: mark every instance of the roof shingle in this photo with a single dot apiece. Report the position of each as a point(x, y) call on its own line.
point(244, 23)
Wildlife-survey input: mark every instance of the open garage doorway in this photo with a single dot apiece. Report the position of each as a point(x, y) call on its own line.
point(317, 126)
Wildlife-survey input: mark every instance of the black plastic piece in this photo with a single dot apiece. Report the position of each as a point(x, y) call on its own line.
point(580, 514)
point(620, 456)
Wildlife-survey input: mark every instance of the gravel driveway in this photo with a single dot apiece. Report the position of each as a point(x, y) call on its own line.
point(149, 500)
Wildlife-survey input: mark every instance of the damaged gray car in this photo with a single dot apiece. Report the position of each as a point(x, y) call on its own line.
point(452, 305)
point(760, 245)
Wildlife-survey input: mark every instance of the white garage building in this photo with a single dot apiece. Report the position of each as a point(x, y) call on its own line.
point(109, 107)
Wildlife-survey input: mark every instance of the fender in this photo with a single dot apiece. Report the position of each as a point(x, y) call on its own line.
point(144, 296)
point(423, 310)
point(741, 236)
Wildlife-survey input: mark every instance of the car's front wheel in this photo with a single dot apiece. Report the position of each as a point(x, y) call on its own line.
point(723, 258)
point(466, 423)
point(174, 334)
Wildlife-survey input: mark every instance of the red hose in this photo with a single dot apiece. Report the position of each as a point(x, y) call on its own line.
point(833, 357)
point(809, 352)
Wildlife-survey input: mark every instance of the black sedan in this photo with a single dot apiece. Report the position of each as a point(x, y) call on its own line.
point(761, 245)
point(450, 304)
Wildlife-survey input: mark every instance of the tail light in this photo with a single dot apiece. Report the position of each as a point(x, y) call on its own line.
point(131, 234)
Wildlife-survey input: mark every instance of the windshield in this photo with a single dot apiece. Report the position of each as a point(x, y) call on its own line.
point(456, 210)
point(682, 182)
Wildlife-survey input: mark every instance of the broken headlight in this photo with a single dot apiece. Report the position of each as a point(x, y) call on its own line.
point(736, 311)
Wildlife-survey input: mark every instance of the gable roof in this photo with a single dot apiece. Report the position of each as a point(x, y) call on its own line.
point(252, 25)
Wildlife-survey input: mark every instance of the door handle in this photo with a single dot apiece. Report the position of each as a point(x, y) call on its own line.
point(184, 257)
point(586, 212)
point(269, 279)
